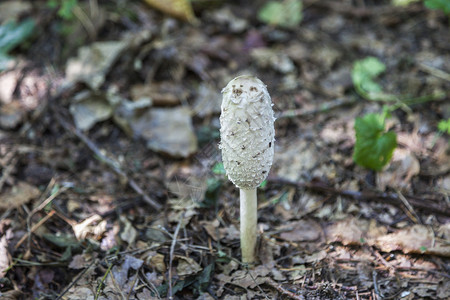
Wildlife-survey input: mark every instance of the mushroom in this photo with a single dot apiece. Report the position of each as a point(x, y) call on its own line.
point(247, 142)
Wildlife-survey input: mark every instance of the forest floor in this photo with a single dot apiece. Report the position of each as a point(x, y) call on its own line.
point(111, 183)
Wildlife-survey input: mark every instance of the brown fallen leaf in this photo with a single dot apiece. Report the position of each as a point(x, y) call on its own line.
point(162, 94)
point(180, 9)
point(157, 262)
point(417, 239)
point(17, 195)
point(211, 228)
point(78, 262)
point(93, 62)
point(403, 167)
point(353, 231)
point(187, 266)
point(443, 289)
point(167, 130)
point(11, 115)
point(300, 231)
point(5, 257)
point(250, 278)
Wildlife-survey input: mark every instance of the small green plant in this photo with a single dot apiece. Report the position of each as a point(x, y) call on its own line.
point(403, 2)
point(444, 126)
point(65, 8)
point(286, 13)
point(13, 34)
point(363, 74)
point(443, 5)
point(213, 186)
point(218, 169)
point(374, 146)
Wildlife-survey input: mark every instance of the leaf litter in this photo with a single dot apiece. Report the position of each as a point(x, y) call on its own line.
point(145, 105)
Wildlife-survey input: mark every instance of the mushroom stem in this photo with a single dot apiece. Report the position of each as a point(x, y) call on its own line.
point(248, 224)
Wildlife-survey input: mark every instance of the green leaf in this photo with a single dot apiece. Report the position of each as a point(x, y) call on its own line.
point(12, 34)
point(52, 3)
point(219, 169)
point(287, 13)
point(213, 186)
point(403, 2)
point(374, 147)
point(263, 184)
point(364, 71)
point(444, 126)
point(203, 280)
point(62, 241)
point(443, 5)
point(66, 9)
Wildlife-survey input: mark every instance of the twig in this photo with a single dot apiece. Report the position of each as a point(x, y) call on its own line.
point(257, 284)
point(284, 291)
point(422, 203)
point(383, 261)
point(172, 250)
point(375, 284)
point(113, 164)
point(363, 11)
point(415, 269)
point(410, 210)
point(434, 71)
point(132, 284)
point(7, 170)
point(150, 285)
point(40, 207)
point(116, 285)
point(74, 281)
point(99, 288)
point(319, 109)
point(33, 229)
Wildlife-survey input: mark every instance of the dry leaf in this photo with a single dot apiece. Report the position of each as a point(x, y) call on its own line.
point(78, 262)
point(5, 258)
point(244, 279)
point(19, 194)
point(88, 109)
point(180, 9)
point(167, 130)
point(353, 231)
point(119, 277)
point(443, 289)
point(11, 115)
point(299, 231)
point(129, 233)
point(403, 167)
point(294, 158)
point(211, 228)
point(416, 239)
point(93, 226)
point(187, 266)
point(157, 262)
point(93, 62)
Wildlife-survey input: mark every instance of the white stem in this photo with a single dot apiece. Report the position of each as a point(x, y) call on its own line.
point(248, 224)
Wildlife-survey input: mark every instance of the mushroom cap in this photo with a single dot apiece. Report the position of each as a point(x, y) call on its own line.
point(247, 131)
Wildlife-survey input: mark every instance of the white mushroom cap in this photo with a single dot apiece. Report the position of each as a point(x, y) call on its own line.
point(247, 131)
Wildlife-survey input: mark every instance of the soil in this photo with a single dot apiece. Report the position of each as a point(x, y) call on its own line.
point(111, 183)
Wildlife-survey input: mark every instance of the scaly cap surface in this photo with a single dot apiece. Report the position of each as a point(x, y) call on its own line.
point(247, 131)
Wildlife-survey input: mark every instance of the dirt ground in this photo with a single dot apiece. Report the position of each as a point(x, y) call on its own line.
point(112, 186)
